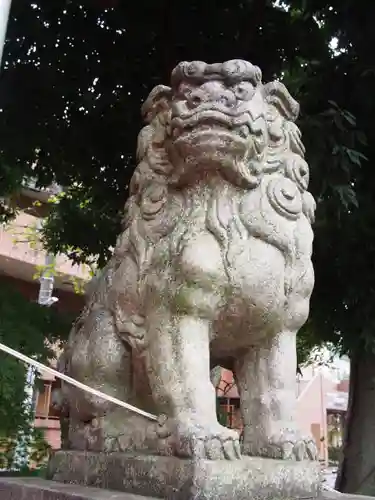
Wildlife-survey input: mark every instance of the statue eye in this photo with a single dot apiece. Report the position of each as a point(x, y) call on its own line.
point(244, 91)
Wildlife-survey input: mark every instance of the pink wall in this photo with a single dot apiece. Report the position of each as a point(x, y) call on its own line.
point(227, 387)
point(51, 428)
point(19, 259)
point(312, 411)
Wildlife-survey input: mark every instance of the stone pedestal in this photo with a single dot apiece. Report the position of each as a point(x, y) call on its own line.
point(174, 479)
point(40, 489)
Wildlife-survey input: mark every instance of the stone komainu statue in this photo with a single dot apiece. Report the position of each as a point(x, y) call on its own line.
point(213, 268)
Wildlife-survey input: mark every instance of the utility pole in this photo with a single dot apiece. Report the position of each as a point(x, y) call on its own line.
point(4, 16)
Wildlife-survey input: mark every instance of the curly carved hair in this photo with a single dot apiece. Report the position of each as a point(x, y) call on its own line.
point(154, 206)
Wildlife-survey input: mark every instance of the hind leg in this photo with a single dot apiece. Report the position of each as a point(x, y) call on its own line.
point(101, 360)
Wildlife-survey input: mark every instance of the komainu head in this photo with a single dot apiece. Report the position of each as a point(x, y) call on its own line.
point(220, 119)
point(215, 124)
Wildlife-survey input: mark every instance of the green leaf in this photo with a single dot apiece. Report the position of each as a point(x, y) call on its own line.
point(24, 326)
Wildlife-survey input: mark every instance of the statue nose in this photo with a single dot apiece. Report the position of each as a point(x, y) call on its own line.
point(212, 92)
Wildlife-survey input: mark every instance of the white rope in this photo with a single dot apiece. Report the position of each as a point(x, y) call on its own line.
point(74, 382)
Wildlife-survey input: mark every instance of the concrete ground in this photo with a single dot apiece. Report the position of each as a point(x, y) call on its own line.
point(329, 475)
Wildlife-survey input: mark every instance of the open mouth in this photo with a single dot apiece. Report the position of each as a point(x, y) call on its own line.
point(206, 121)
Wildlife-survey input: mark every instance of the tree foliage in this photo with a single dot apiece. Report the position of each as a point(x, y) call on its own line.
point(76, 73)
point(31, 329)
point(74, 77)
point(344, 249)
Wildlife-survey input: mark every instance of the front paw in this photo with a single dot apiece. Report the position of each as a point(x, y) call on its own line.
point(189, 438)
point(287, 445)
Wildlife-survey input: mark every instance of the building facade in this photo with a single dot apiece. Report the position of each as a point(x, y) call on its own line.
point(322, 400)
point(21, 257)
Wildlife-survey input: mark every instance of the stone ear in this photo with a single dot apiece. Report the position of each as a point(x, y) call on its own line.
point(277, 95)
point(157, 101)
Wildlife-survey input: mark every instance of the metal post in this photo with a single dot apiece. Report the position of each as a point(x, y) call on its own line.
point(4, 16)
point(47, 282)
point(21, 452)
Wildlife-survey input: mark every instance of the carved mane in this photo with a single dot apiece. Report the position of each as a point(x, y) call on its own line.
point(155, 206)
point(151, 188)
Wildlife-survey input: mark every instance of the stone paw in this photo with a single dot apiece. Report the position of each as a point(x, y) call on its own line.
point(288, 445)
point(186, 438)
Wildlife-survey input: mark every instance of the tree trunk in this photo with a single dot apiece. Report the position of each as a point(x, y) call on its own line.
point(357, 468)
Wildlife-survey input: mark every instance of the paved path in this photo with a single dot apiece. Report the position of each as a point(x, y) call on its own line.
point(330, 476)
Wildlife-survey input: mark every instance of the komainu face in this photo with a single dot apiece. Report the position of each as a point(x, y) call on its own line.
point(221, 116)
point(216, 111)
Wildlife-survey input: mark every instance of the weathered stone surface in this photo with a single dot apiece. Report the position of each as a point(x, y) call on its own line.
point(176, 479)
point(213, 268)
point(39, 489)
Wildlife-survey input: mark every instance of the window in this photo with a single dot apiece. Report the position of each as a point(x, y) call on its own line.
point(43, 401)
point(43, 407)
